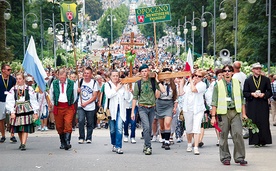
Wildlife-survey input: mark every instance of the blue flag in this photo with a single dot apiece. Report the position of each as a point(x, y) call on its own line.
point(33, 66)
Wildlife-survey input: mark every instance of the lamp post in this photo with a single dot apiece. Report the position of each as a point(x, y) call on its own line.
point(223, 16)
point(268, 13)
point(186, 31)
point(204, 24)
point(111, 18)
point(7, 16)
point(201, 33)
point(34, 26)
point(52, 30)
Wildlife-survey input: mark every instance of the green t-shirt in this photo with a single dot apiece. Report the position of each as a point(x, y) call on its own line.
point(147, 96)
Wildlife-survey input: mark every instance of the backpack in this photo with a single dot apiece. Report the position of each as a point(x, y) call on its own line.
point(152, 80)
point(81, 81)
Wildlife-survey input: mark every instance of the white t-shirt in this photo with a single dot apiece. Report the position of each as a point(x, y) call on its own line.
point(87, 90)
point(241, 77)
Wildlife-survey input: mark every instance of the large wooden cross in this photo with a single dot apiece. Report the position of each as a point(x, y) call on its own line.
point(131, 44)
point(161, 76)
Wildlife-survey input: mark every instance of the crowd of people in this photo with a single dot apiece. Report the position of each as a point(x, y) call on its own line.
point(220, 99)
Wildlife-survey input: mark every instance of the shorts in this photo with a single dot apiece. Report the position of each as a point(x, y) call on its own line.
point(2, 110)
point(45, 113)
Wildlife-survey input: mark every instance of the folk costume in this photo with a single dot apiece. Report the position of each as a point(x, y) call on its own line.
point(63, 97)
point(22, 101)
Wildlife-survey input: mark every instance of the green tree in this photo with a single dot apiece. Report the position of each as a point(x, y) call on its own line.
point(121, 14)
point(94, 9)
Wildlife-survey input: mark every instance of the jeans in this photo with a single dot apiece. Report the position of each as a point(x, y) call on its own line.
point(116, 130)
point(147, 116)
point(89, 116)
point(132, 123)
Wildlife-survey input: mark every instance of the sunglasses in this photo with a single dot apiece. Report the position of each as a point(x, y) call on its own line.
point(227, 71)
point(199, 76)
point(8, 69)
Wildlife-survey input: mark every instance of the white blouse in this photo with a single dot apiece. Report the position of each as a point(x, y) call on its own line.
point(116, 97)
point(194, 102)
point(10, 101)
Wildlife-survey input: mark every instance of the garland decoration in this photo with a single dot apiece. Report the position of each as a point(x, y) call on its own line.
point(130, 56)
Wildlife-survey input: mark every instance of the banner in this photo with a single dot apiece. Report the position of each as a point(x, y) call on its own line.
point(149, 15)
point(68, 11)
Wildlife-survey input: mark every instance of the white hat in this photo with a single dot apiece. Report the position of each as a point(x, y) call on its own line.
point(256, 65)
point(29, 78)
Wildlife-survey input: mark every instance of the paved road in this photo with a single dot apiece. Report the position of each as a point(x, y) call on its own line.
point(43, 154)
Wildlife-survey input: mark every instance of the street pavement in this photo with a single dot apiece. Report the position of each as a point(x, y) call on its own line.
point(43, 153)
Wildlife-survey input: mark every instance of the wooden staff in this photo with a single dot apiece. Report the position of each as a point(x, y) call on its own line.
point(75, 57)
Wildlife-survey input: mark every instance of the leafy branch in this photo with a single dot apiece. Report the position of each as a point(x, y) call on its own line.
point(250, 125)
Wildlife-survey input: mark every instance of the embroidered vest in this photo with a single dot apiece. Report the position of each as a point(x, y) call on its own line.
point(222, 102)
point(69, 92)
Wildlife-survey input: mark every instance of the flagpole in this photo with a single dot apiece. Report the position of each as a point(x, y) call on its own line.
point(75, 56)
point(155, 45)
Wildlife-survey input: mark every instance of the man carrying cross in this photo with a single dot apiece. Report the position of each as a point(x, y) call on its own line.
point(145, 95)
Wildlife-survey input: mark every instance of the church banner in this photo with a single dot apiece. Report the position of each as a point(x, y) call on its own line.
point(68, 11)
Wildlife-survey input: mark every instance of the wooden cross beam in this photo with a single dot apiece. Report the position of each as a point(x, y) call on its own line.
point(131, 44)
point(161, 76)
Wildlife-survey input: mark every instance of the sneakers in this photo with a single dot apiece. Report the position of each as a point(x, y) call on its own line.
point(39, 128)
point(154, 139)
point(99, 126)
point(200, 144)
point(196, 152)
point(119, 151)
point(13, 139)
point(217, 143)
point(23, 147)
point(45, 128)
point(178, 140)
point(132, 140)
point(226, 162)
point(3, 139)
point(81, 141)
point(167, 146)
point(114, 149)
point(147, 150)
point(242, 162)
point(88, 141)
point(161, 140)
point(163, 145)
point(189, 149)
point(171, 141)
point(125, 138)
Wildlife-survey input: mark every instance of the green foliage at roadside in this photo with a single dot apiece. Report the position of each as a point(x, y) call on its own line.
point(252, 27)
point(121, 14)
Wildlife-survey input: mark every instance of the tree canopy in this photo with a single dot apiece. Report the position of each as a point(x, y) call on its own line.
point(252, 27)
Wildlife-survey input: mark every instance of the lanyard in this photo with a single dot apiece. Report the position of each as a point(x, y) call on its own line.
point(257, 83)
point(5, 83)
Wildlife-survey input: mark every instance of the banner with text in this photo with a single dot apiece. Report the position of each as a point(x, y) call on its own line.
point(149, 15)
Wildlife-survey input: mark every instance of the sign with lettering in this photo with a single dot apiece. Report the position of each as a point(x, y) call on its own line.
point(149, 15)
